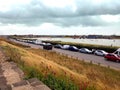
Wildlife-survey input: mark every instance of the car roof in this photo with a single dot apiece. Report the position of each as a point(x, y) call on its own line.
point(118, 49)
point(101, 50)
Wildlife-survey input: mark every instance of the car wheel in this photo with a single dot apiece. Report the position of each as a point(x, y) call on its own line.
point(95, 53)
point(117, 61)
point(106, 59)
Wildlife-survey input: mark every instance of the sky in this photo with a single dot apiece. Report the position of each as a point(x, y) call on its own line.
point(60, 17)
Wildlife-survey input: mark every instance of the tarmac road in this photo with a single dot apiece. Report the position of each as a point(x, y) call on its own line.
point(81, 56)
point(90, 58)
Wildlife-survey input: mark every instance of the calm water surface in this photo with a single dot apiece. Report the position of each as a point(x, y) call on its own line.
point(108, 42)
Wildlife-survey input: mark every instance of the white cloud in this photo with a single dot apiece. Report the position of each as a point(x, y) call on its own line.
point(6, 5)
point(58, 3)
point(111, 18)
point(63, 16)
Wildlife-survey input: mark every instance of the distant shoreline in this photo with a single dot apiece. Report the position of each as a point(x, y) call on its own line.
point(65, 36)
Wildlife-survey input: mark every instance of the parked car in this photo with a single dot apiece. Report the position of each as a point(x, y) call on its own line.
point(31, 42)
point(47, 46)
point(100, 52)
point(113, 57)
point(58, 46)
point(38, 42)
point(85, 50)
point(117, 52)
point(73, 48)
point(65, 47)
point(42, 44)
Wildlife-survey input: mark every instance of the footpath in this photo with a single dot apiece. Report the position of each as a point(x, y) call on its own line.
point(11, 77)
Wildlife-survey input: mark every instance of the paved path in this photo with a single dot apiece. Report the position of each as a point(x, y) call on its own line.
point(81, 56)
point(11, 77)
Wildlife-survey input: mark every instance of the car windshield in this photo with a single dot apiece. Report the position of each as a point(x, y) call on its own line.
point(101, 51)
point(86, 49)
point(118, 53)
point(66, 46)
point(74, 47)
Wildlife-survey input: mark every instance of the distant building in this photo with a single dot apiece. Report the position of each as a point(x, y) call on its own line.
point(94, 36)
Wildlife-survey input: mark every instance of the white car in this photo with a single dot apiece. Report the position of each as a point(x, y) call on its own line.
point(85, 50)
point(66, 47)
point(100, 52)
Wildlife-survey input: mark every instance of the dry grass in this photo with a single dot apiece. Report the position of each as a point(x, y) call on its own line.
point(62, 66)
point(46, 66)
point(102, 77)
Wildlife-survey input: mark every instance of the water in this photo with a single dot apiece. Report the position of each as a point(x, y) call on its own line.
point(107, 42)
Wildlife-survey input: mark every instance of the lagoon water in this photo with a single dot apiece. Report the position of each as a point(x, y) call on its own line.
point(107, 42)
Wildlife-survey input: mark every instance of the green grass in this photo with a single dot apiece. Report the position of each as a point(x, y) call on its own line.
point(50, 80)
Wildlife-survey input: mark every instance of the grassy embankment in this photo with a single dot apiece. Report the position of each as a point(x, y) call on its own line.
point(60, 72)
point(90, 46)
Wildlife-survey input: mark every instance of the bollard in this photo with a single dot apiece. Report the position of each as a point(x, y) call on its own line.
point(108, 66)
point(91, 62)
point(98, 64)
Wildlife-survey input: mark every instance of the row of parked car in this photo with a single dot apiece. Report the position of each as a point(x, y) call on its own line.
point(115, 56)
point(82, 50)
point(49, 46)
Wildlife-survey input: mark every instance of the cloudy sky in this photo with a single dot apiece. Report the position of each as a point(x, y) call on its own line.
point(60, 17)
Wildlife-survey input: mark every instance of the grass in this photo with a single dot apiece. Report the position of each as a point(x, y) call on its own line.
point(63, 71)
point(49, 70)
point(90, 46)
point(55, 83)
point(13, 43)
point(105, 77)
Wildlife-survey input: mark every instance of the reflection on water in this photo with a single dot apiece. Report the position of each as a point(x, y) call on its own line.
point(108, 42)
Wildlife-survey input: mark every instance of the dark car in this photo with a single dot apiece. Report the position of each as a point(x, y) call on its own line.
point(58, 46)
point(73, 48)
point(113, 57)
point(47, 46)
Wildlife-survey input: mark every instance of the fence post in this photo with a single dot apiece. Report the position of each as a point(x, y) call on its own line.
point(98, 64)
point(108, 66)
point(91, 62)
